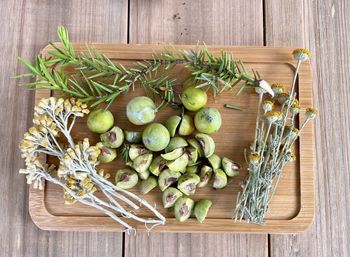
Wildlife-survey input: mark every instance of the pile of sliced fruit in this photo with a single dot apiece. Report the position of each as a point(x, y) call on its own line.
point(178, 157)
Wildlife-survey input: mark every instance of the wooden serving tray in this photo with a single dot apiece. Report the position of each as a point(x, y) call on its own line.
point(292, 207)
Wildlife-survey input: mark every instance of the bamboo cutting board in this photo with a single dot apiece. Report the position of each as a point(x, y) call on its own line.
point(292, 207)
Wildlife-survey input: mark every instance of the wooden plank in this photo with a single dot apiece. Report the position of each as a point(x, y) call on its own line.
point(291, 209)
point(186, 22)
point(26, 27)
point(322, 26)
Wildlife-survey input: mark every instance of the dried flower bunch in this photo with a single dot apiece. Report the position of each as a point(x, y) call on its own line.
point(271, 150)
point(77, 173)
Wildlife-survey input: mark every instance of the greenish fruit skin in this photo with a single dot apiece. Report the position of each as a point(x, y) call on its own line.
point(192, 156)
point(195, 144)
point(141, 163)
point(186, 126)
point(220, 179)
point(167, 178)
point(192, 169)
point(137, 150)
point(215, 161)
point(208, 120)
point(183, 208)
point(176, 142)
point(113, 138)
point(134, 137)
point(100, 121)
point(144, 174)
point(141, 110)
point(156, 137)
point(187, 183)
point(174, 154)
point(178, 164)
point(126, 178)
point(194, 98)
point(205, 176)
point(158, 164)
point(148, 185)
point(170, 196)
point(107, 154)
point(172, 123)
point(201, 209)
point(207, 143)
point(230, 167)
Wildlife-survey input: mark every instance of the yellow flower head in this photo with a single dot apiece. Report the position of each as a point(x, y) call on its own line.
point(267, 105)
point(301, 54)
point(277, 88)
point(282, 98)
point(311, 113)
point(272, 116)
point(254, 158)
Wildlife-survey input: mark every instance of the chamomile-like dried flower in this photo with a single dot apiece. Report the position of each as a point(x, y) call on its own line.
point(254, 159)
point(301, 54)
point(282, 98)
point(264, 87)
point(272, 116)
point(311, 113)
point(267, 105)
point(277, 88)
point(295, 107)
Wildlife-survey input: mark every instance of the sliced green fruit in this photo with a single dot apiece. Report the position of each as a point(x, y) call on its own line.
point(174, 154)
point(230, 167)
point(192, 169)
point(207, 143)
point(192, 155)
point(144, 174)
point(172, 123)
point(158, 164)
point(215, 161)
point(167, 178)
point(183, 208)
point(113, 138)
point(126, 178)
point(107, 154)
point(137, 150)
point(179, 164)
point(195, 144)
point(201, 209)
point(141, 163)
point(176, 142)
point(170, 196)
point(186, 126)
point(187, 183)
point(149, 184)
point(205, 176)
point(220, 179)
point(134, 137)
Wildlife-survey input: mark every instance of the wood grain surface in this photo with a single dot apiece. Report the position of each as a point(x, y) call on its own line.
point(323, 25)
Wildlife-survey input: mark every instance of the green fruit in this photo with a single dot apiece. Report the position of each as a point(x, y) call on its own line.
point(167, 178)
point(137, 150)
point(207, 143)
point(113, 138)
point(215, 161)
point(187, 183)
point(172, 123)
point(183, 208)
point(201, 209)
point(107, 154)
point(134, 137)
point(126, 178)
point(144, 174)
point(186, 126)
point(192, 169)
point(158, 164)
point(149, 184)
point(194, 98)
point(100, 121)
point(195, 144)
point(205, 176)
point(141, 163)
point(230, 167)
point(220, 179)
point(156, 137)
point(176, 142)
point(170, 196)
point(207, 120)
point(174, 154)
point(141, 110)
point(179, 164)
point(192, 156)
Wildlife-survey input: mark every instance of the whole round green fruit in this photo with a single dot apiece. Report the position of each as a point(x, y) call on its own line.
point(156, 137)
point(100, 121)
point(194, 98)
point(141, 110)
point(207, 120)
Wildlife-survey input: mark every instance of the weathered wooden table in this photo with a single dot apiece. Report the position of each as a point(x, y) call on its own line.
point(321, 25)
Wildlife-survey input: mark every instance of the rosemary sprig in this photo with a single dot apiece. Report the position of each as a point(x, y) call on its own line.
point(98, 80)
